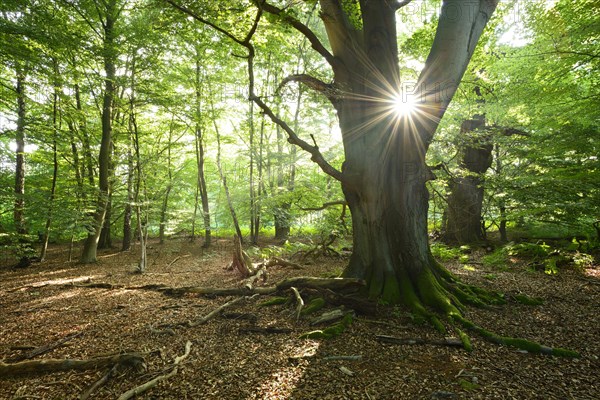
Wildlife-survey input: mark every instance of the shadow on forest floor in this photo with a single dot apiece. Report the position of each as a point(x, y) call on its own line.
point(45, 303)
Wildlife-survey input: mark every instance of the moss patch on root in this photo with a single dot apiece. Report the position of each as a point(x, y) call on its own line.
point(331, 331)
point(528, 301)
point(274, 301)
point(519, 343)
point(313, 306)
point(439, 291)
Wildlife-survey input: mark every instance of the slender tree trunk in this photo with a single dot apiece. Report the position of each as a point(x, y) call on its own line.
point(254, 213)
point(501, 203)
point(55, 128)
point(232, 212)
point(127, 234)
point(19, 208)
point(87, 166)
point(282, 212)
point(202, 189)
point(465, 201)
point(140, 190)
point(110, 57)
point(165, 203)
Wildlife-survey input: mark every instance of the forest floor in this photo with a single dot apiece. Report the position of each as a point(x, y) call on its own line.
point(46, 302)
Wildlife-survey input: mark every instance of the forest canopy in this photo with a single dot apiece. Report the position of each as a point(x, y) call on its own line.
point(149, 107)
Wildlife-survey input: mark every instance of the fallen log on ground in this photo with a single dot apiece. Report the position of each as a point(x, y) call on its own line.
point(134, 360)
point(309, 282)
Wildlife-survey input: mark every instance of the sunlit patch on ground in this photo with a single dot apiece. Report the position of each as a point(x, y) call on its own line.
point(63, 281)
point(282, 383)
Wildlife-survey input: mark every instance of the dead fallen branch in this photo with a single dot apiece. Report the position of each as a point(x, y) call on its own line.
point(45, 348)
point(215, 312)
point(449, 341)
point(134, 360)
point(299, 301)
point(151, 383)
point(252, 272)
point(260, 274)
point(333, 284)
point(268, 329)
point(99, 383)
point(177, 259)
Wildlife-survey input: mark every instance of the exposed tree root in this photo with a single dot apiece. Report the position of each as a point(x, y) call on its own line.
point(443, 293)
point(453, 342)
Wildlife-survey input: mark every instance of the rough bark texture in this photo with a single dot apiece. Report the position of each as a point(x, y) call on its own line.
point(465, 203)
point(385, 171)
point(91, 243)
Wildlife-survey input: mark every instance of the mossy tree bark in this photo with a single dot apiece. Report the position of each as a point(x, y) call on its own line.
point(384, 173)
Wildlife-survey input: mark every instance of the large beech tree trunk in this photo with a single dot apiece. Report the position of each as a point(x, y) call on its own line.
point(465, 203)
point(384, 174)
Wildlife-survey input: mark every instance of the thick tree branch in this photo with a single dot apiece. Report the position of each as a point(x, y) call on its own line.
point(325, 205)
point(339, 29)
point(326, 89)
point(300, 27)
point(293, 138)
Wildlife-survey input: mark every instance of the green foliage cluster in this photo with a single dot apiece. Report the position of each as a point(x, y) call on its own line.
point(539, 255)
point(19, 245)
point(443, 252)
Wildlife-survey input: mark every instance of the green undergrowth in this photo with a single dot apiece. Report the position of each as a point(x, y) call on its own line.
point(539, 256)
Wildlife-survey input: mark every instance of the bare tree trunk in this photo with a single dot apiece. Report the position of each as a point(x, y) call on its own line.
point(202, 189)
point(130, 198)
point(55, 128)
point(254, 221)
point(19, 208)
point(110, 57)
point(232, 212)
point(165, 203)
point(502, 203)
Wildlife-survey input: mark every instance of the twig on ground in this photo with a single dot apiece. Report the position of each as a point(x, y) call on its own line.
point(153, 382)
point(300, 302)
